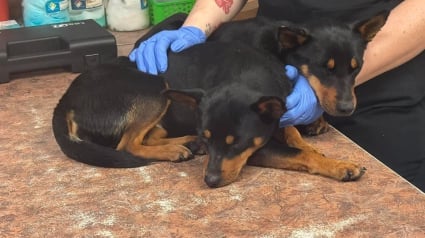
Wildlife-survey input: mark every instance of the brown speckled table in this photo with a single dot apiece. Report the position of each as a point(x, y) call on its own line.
point(44, 194)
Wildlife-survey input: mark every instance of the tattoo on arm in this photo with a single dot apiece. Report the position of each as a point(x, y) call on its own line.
point(225, 5)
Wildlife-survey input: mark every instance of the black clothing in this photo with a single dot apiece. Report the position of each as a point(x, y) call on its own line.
point(389, 121)
point(345, 10)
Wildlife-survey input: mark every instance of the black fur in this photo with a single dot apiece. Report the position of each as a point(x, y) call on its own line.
point(100, 98)
point(310, 46)
point(230, 92)
point(227, 91)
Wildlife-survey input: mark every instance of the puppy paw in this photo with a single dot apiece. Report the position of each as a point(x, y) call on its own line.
point(176, 153)
point(349, 172)
point(196, 147)
point(318, 127)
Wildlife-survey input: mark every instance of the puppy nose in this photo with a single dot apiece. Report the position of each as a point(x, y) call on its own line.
point(212, 180)
point(345, 107)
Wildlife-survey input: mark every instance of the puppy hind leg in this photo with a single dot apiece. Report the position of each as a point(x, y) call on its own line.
point(158, 136)
point(132, 142)
point(138, 126)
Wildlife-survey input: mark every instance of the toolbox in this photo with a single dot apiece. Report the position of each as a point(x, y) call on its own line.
point(76, 45)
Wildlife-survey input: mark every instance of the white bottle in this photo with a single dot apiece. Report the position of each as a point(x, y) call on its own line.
point(87, 9)
point(127, 15)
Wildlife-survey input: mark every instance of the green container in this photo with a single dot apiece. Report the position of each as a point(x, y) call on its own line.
point(161, 9)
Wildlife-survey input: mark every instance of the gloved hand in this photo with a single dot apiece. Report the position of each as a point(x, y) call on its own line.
point(151, 55)
point(302, 105)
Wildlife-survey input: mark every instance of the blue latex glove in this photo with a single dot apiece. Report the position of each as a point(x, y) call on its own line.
point(303, 107)
point(151, 55)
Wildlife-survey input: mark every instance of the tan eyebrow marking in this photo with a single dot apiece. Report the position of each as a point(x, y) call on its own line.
point(230, 139)
point(331, 63)
point(354, 63)
point(207, 134)
point(258, 141)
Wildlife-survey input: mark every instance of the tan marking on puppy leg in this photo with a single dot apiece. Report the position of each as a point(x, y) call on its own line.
point(136, 131)
point(157, 133)
point(169, 152)
point(308, 159)
point(158, 136)
point(72, 126)
point(292, 138)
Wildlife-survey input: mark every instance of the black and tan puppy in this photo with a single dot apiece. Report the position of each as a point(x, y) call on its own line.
point(226, 96)
point(229, 99)
point(328, 53)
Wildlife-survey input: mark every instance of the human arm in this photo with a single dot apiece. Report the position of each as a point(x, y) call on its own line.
point(399, 40)
point(205, 17)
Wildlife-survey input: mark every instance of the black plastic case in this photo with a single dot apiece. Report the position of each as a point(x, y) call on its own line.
point(80, 45)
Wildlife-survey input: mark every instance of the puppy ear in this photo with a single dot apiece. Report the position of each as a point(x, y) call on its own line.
point(270, 108)
point(191, 97)
point(368, 28)
point(290, 37)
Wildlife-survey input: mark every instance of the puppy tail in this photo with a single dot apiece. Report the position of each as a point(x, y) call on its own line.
point(91, 153)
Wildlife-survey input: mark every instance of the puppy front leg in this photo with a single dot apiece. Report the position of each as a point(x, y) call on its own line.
point(291, 152)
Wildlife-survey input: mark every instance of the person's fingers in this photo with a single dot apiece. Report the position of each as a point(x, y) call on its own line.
point(292, 100)
point(179, 45)
point(286, 120)
point(161, 58)
point(139, 58)
point(291, 72)
point(148, 60)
